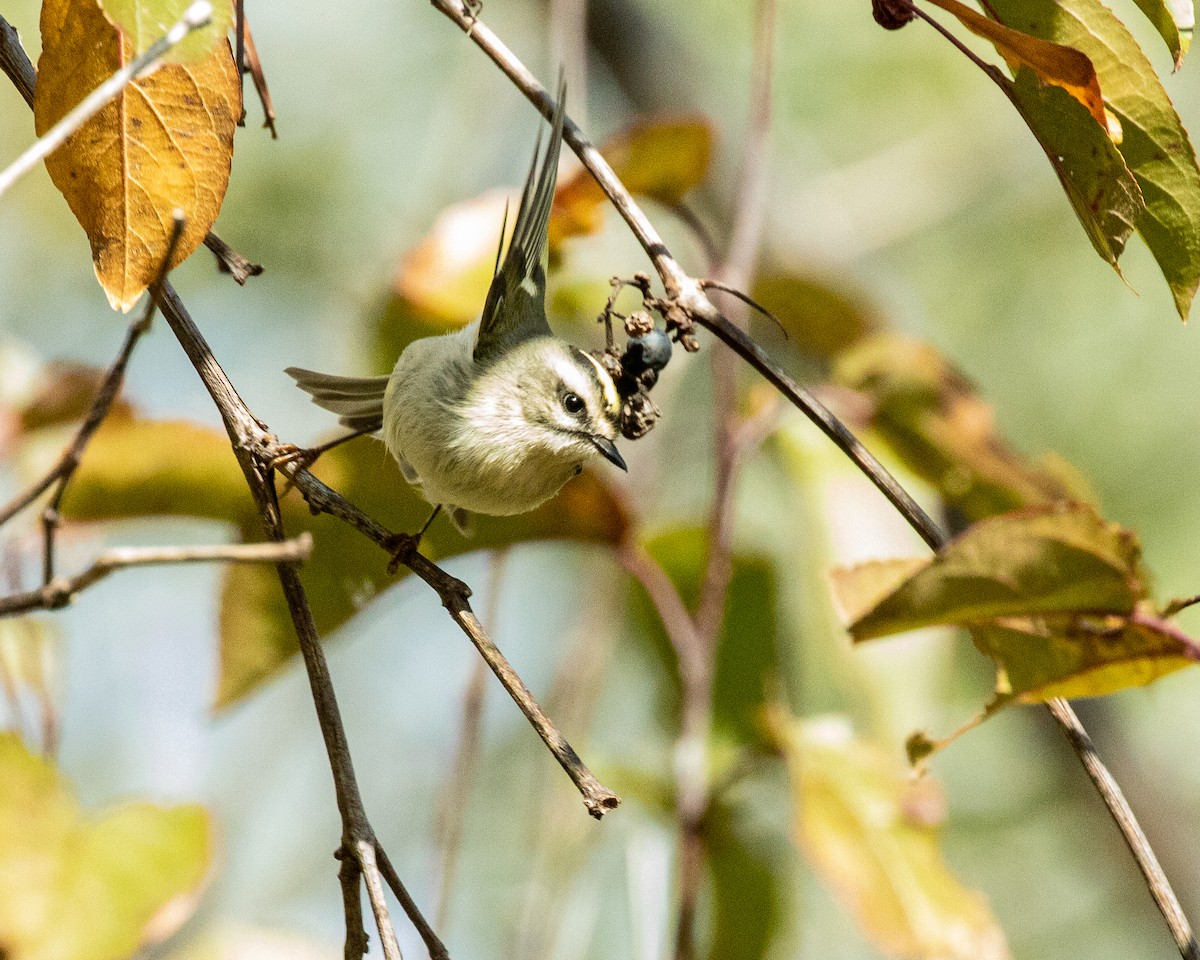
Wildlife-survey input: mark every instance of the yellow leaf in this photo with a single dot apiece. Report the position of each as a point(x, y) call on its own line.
point(1053, 63)
point(80, 887)
point(869, 829)
point(1082, 657)
point(165, 143)
point(660, 159)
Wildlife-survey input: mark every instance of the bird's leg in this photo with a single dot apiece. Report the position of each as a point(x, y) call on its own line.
point(307, 456)
point(403, 545)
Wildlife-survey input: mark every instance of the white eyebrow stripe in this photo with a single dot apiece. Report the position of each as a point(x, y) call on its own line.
point(611, 397)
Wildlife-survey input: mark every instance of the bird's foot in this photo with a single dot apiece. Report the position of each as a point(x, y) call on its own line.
point(473, 9)
point(305, 457)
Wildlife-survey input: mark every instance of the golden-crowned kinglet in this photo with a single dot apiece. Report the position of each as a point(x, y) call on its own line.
point(493, 418)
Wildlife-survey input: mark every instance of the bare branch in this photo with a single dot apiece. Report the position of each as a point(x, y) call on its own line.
point(61, 473)
point(254, 65)
point(455, 597)
point(199, 14)
point(364, 853)
point(230, 261)
point(60, 592)
point(685, 303)
point(15, 62)
point(437, 950)
point(350, 880)
point(254, 449)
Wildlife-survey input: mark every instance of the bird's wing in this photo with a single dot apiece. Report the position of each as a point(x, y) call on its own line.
point(515, 309)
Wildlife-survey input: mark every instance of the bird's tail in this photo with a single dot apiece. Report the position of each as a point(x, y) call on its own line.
point(358, 402)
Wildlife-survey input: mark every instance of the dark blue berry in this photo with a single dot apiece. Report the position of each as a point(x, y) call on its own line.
point(651, 352)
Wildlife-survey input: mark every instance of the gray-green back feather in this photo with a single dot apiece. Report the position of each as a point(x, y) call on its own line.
point(515, 309)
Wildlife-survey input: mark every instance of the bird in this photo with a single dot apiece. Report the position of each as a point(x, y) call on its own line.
point(493, 418)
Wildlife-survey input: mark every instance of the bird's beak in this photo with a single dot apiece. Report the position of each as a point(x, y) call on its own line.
point(609, 451)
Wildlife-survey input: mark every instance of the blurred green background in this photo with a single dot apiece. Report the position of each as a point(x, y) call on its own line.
point(899, 175)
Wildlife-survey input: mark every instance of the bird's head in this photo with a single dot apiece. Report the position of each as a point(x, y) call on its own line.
point(570, 400)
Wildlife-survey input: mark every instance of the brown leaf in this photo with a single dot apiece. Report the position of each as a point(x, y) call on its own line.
point(661, 159)
point(64, 392)
point(165, 143)
point(1053, 63)
point(935, 420)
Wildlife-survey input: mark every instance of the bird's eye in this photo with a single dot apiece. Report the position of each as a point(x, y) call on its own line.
point(572, 403)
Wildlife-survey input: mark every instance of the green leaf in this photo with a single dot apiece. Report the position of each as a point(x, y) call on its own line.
point(931, 415)
point(747, 885)
point(820, 318)
point(1035, 562)
point(1174, 21)
point(746, 664)
point(144, 22)
point(1102, 190)
point(870, 832)
point(140, 468)
point(1155, 145)
point(75, 886)
point(1090, 657)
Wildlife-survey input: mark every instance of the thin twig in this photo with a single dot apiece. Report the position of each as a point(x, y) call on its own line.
point(693, 793)
point(685, 303)
point(350, 880)
point(239, 55)
point(199, 14)
point(437, 950)
point(691, 748)
point(254, 65)
point(230, 261)
point(365, 853)
point(61, 591)
point(102, 404)
point(456, 795)
point(254, 449)
point(15, 62)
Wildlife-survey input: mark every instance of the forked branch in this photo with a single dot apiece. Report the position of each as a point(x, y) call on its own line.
point(685, 305)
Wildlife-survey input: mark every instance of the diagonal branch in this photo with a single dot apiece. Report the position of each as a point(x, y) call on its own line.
point(455, 596)
point(686, 304)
